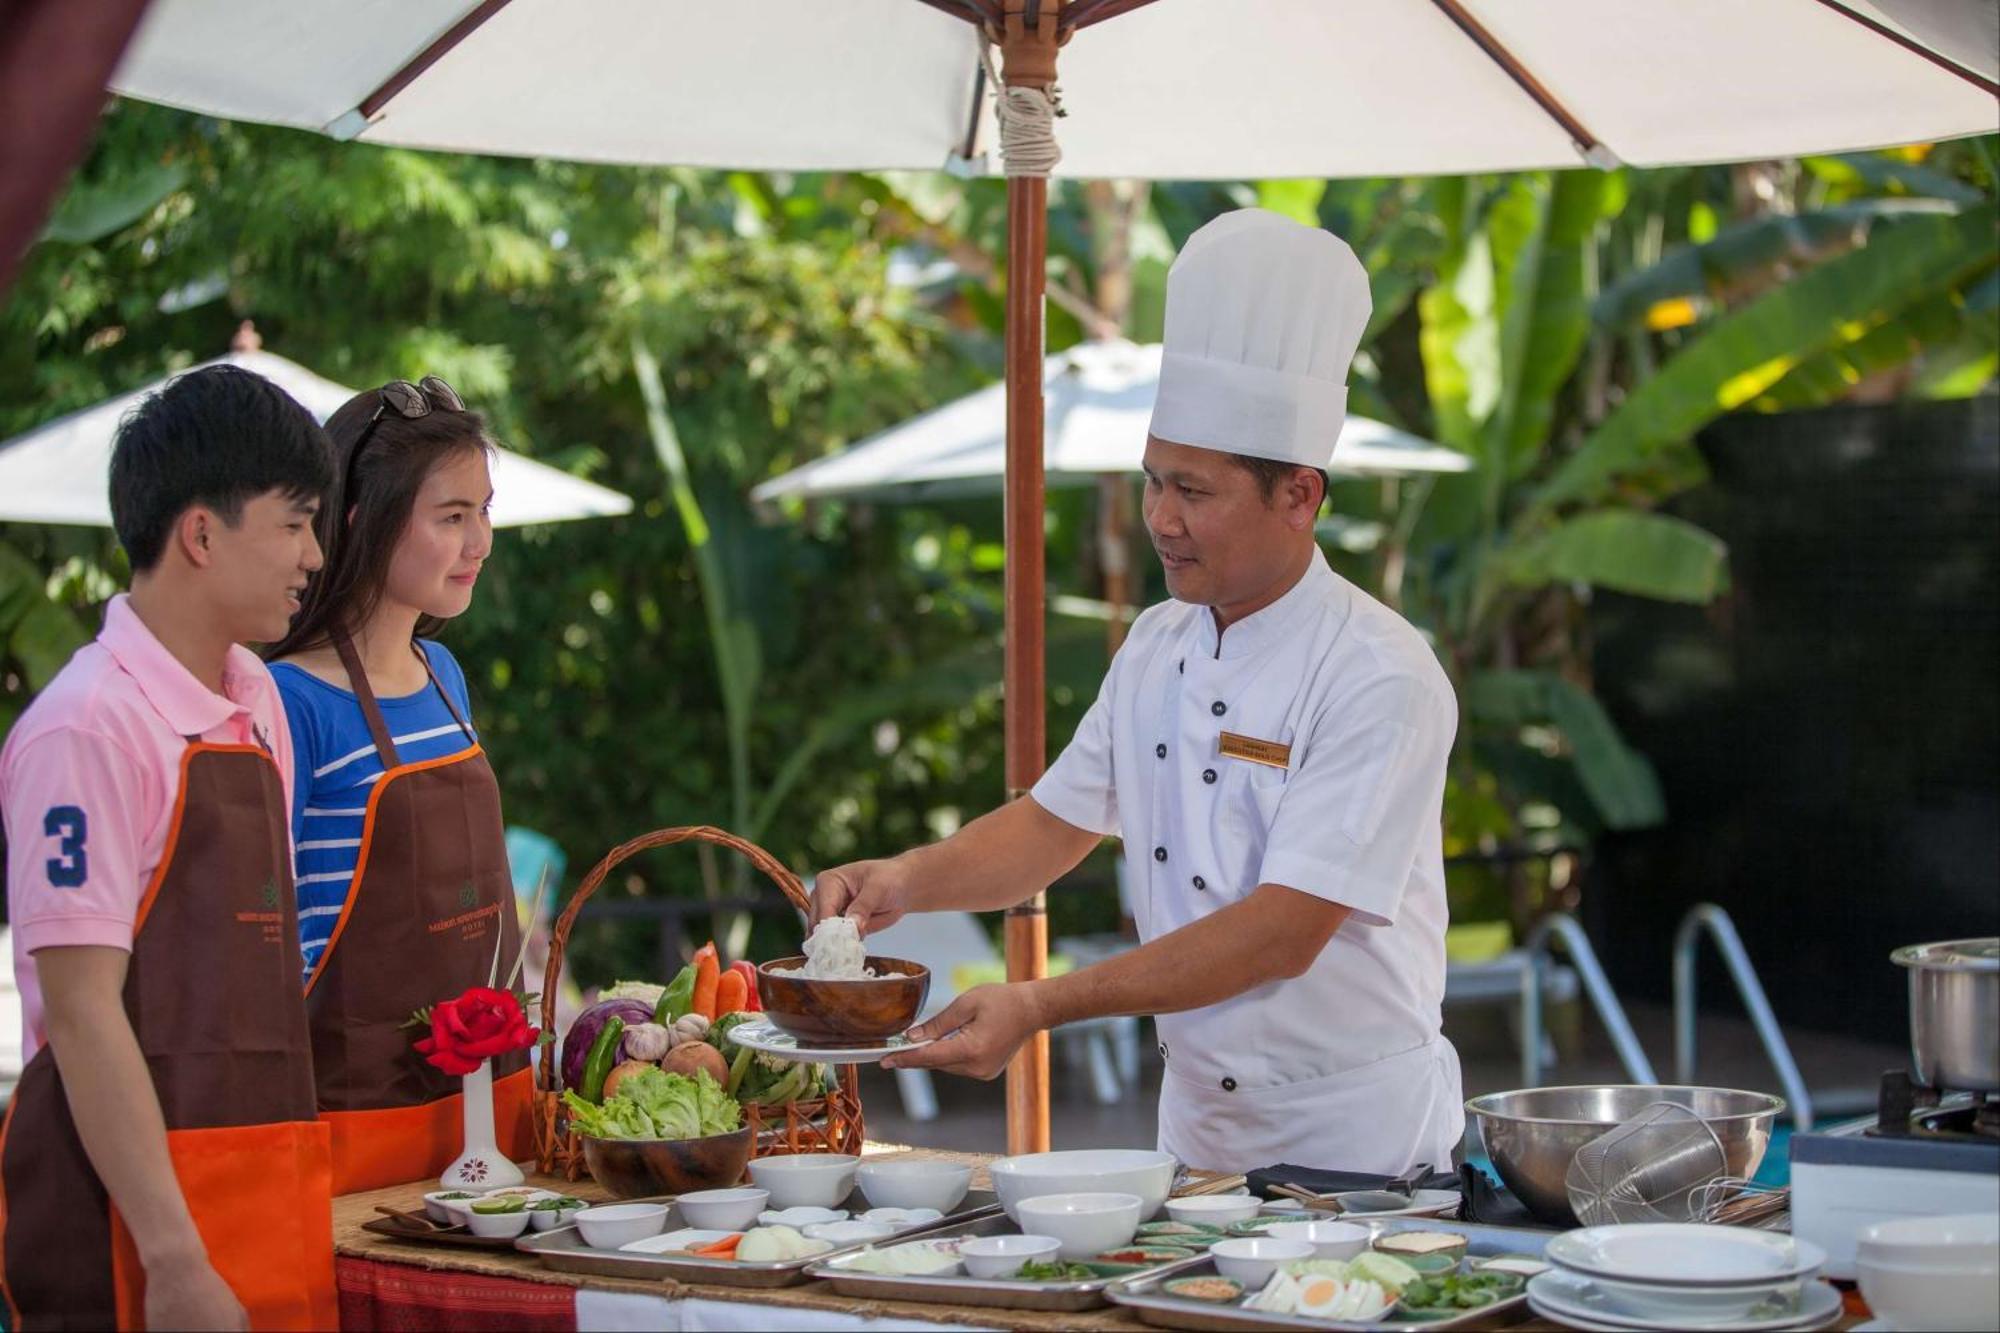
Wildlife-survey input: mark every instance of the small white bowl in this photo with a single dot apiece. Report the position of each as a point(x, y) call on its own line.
point(441, 1210)
point(1002, 1256)
point(723, 1210)
point(1140, 1171)
point(1086, 1224)
point(799, 1218)
point(849, 1233)
point(1252, 1259)
point(1951, 1241)
point(498, 1225)
point(548, 1219)
point(919, 1183)
point(1214, 1210)
point(612, 1225)
point(1329, 1240)
point(1925, 1295)
point(813, 1179)
point(902, 1219)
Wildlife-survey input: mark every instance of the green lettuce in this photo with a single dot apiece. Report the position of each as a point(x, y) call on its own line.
point(652, 1104)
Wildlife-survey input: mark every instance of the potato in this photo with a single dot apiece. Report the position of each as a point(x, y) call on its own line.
point(689, 1056)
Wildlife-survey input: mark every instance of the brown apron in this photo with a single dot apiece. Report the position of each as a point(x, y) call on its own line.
point(212, 991)
point(431, 895)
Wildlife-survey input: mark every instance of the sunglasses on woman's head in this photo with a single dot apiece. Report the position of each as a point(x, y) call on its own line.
point(406, 400)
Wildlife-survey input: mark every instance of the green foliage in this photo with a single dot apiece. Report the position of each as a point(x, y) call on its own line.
point(828, 685)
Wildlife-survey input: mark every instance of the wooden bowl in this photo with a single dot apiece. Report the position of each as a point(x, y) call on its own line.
point(639, 1168)
point(829, 1014)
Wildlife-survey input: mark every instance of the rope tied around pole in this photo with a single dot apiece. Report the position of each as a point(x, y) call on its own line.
point(1027, 116)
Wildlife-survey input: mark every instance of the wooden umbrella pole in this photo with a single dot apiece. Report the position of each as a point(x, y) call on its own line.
point(1028, 38)
point(1027, 923)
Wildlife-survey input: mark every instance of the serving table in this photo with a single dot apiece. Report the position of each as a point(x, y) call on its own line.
point(396, 1285)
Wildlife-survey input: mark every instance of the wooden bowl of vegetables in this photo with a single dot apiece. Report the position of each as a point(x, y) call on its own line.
point(637, 1168)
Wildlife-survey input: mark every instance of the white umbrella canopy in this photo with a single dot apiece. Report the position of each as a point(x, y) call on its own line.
point(1099, 398)
point(60, 472)
point(1251, 88)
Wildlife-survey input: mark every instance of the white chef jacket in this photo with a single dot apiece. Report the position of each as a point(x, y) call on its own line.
point(1345, 1066)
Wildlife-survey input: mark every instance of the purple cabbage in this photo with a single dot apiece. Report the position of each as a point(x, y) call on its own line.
point(576, 1044)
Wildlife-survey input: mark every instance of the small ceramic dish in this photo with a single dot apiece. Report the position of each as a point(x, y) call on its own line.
point(439, 1206)
point(1002, 1256)
point(723, 1210)
point(499, 1226)
point(1210, 1289)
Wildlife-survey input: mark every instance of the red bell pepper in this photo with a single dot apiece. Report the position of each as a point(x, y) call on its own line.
point(748, 970)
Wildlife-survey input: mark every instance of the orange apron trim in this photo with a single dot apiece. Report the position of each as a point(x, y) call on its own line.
point(262, 1200)
point(367, 842)
point(6, 1294)
point(174, 824)
point(398, 1144)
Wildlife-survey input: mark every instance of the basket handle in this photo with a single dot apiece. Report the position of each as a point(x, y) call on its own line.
point(774, 869)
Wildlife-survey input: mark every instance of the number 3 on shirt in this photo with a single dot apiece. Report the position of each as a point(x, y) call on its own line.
point(72, 867)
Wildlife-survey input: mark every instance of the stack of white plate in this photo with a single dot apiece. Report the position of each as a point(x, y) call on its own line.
point(1655, 1276)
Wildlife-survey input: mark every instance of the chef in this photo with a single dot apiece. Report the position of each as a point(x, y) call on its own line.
point(1270, 745)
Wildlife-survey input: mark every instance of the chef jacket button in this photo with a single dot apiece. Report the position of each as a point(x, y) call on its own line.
point(1229, 1085)
point(1182, 668)
point(1160, 750)
point(1200, 884)
point(1163, 1050)
point(1208, 775)
point(1218, 708)
point(1159, 853)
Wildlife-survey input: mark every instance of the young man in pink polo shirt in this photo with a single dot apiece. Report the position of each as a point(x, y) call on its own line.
point(149, 887)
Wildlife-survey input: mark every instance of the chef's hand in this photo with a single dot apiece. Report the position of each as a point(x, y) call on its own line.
point(976, 1035)
point(874, 893)
point(191, 1294)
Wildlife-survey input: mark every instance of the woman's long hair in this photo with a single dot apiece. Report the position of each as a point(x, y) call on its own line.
point(397, 458)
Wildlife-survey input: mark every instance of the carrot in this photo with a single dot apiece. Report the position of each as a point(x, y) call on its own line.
point(748, 970)
point(707, 976)
point(721, 1249)
point(730, 993)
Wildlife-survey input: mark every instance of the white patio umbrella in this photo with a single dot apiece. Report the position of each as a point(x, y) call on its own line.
point(59, 473)
point(1099, 397)
point(1247, 88)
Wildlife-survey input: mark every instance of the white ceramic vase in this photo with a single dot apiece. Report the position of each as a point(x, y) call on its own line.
point(481, 1165)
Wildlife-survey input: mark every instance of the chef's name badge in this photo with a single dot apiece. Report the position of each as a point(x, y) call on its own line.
point(1271, 754)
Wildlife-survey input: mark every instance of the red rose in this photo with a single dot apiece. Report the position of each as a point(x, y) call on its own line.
point(475, 1027)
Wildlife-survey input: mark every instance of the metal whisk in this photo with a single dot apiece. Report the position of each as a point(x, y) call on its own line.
point(1648, 1169)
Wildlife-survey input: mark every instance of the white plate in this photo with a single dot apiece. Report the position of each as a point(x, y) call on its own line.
point(1577, 1301)
point(1686, 1254)
point(674, 1242)
point(766, 1038)
point(1423, 1203)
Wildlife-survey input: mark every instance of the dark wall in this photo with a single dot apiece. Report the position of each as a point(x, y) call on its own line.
point(1828, 734)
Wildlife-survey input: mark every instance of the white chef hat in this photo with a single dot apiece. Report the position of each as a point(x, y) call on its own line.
point(1263, 316)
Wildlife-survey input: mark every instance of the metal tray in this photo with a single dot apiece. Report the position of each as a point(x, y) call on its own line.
point(1143, 1296)
point(563, 1249)
point(1006, 1293)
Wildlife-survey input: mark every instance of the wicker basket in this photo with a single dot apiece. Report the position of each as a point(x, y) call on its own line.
point(828, 1124)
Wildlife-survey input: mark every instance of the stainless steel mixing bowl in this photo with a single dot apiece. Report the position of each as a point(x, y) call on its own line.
point(1532, 1134)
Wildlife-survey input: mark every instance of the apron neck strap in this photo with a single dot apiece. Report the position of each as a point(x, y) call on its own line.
point(444, 694)
point(365, 696)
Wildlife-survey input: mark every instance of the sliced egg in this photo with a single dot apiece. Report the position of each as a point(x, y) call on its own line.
point(1320, 1297)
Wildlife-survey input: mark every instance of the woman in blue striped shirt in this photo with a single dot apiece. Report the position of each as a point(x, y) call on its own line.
point(404, 895)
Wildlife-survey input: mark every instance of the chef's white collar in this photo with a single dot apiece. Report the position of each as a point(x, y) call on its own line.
point(1264, 629)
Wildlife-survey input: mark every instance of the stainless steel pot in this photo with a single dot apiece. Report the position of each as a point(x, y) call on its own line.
point(1954, 1013)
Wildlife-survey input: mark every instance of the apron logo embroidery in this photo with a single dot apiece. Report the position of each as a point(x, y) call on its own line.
point(1271, 754)
point(468, 897)
point(271, 920)
point(474, 922)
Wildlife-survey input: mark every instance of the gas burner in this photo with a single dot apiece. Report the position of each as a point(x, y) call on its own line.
point(1908, 1109)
